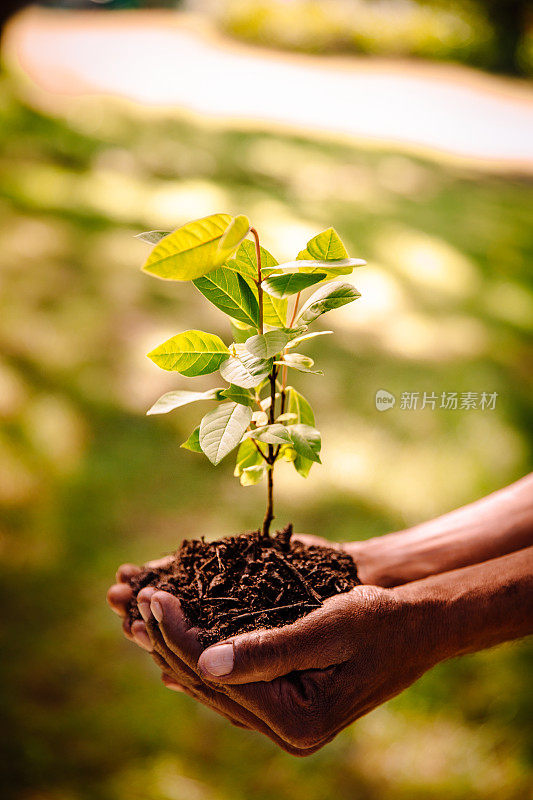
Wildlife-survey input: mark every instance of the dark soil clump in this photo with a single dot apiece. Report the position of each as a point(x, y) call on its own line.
point(250, 581)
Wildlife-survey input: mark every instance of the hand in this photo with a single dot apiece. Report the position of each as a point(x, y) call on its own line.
point(176, 672)
point(308, 680)
point(302, 683)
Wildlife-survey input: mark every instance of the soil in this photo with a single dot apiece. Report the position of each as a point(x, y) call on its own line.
point(251, 581)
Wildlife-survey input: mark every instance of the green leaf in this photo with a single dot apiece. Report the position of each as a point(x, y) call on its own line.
point(297, 404)
point(300, 362)
point(240, 331)
point(236, 231)
point(325, 246)
point(190, 251)
point(328, 246)
point(171, 400)
point(274, 311)
point(306, 441)
point(290, 283)
point(329, 296)
point(244, 369)
point(267, 344)
point(193, 442)
point(247, 456)
point(250, 476)
point(239, 395)
point(230, 293)
point(305, 337)
point(152, 237)
point(246, 261)
point(191, 353)
point(270, 434)
point(221, 430)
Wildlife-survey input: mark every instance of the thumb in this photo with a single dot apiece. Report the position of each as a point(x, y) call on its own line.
point(319, 640)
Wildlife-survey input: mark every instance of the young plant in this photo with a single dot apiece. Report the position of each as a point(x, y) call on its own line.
point(257, 411)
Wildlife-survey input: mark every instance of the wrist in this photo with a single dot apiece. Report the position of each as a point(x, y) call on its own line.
point(499, 524)
point(475, 607)
point(424, 611)
point(389, 560)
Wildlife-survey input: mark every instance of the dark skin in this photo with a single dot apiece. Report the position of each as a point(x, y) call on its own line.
point(455, 585)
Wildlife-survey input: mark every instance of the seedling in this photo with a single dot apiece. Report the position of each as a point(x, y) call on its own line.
point(256, 411)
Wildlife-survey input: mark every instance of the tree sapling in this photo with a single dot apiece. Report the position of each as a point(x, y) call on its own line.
point(257, 579)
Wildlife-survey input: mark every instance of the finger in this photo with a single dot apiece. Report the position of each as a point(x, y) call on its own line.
point(126, 628)
point(183, 673)
point(178, 635)
point(318, 640)
point(171, 683)
point(140, 635)
point(159, 563)
point(126, 572)
point(313, 541)
point(118, 597)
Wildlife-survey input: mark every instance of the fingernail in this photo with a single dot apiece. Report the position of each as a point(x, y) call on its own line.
point(144, 608)
point(218, 660)
point(142, 638)
point(157, 610)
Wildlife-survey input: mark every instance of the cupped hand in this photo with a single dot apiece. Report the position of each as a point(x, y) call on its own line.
point(307, 681)
point(179, 674)
point(299, 684)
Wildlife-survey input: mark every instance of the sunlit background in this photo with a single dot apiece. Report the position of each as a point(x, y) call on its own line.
point(117, 119)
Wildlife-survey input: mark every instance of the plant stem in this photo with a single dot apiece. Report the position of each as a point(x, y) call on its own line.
point(296, 304)
point(269, 516)
point(271, 458)
point(284, 370)
point(259, 277)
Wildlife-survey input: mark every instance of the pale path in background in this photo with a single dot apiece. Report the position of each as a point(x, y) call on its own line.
point(168, 59)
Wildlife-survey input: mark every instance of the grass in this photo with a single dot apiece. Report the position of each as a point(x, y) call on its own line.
point(87, 481)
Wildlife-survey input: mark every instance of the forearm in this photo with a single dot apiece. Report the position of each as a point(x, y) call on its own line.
point(475, 607)
point(496, 525)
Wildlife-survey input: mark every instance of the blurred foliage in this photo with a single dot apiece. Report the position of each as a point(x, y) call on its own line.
point(87, 481)
point(493, 35)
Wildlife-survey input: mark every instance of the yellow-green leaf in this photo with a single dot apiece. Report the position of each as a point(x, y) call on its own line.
point(247, 456)
point(190, 353)
point(193, 442)
point(236, 231)
point(190, 251)
point(245, 260)
point(250, 476)
point(328, 246)
point(325, 246)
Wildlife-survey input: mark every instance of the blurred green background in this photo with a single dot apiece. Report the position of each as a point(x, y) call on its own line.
point(87, 481)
